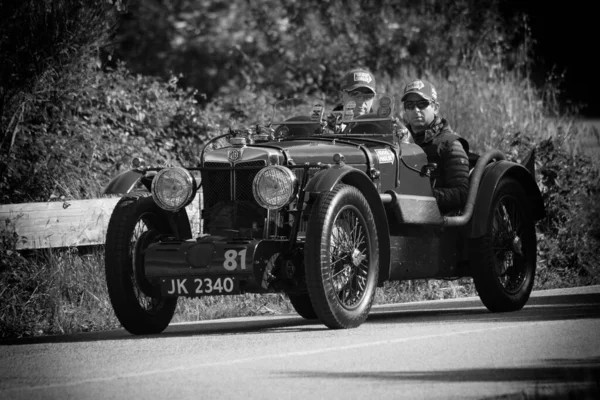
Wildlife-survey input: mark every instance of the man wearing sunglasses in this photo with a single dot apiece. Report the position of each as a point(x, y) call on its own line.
point(442, 146)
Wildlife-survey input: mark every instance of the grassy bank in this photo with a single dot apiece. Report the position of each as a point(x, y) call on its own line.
point(62, 292)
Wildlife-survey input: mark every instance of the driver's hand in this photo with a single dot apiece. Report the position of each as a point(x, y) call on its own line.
point(402, 132)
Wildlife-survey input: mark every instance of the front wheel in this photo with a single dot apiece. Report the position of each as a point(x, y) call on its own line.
point(135, 223)
point(505, 257)
point(302, 305)
point(342, 257)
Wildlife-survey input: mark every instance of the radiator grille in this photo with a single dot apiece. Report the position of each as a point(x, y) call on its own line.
point(244, 178)
point(216, 185)
point(228, 199)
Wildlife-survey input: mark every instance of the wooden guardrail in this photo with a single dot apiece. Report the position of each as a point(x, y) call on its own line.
point(71, 223)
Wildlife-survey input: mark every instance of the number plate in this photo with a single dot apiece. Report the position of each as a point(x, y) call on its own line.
point(199, 286)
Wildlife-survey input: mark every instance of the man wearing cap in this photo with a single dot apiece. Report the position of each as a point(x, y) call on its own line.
point(442, 146)
point(357, 86)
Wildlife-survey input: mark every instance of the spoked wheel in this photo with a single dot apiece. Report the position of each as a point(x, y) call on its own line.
point(134, 224)
point(506, 256)
point(342, 257)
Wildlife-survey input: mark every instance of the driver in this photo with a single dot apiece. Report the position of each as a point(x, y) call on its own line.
point(357, 85)
point(450, 180)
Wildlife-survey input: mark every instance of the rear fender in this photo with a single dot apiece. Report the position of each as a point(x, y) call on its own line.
point(325, 181)
point(126, 181)
point(487, 188)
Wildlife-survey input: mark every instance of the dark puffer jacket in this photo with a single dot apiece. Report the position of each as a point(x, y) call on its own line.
point(450, 180)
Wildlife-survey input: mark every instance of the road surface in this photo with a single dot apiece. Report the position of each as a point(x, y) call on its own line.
point(439, 349)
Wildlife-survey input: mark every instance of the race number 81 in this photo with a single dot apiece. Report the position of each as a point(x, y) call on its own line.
point(233, 258)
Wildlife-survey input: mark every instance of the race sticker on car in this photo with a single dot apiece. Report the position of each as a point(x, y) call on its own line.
point(234, 259)
point(385, 156)
point(199, 286)
point(385, 107)
point(348, 111)
point(317, 112)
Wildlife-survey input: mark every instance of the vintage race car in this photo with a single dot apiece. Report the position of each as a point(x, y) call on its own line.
point(324, 210)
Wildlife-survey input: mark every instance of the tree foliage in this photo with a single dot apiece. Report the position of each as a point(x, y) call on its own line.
point(68, 124)
point(293, 46)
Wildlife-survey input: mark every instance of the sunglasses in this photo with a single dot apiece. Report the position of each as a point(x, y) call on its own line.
point(355, 94)
point(421, 104)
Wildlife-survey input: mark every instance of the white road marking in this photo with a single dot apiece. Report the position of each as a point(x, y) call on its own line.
point(253, 359)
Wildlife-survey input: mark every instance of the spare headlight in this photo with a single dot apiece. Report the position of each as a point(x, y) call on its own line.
point(274, 187)
point(173, 188)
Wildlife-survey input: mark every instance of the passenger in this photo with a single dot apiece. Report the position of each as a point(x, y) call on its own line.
point(450, 180)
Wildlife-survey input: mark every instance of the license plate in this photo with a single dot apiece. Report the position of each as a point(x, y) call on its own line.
point(199, 286)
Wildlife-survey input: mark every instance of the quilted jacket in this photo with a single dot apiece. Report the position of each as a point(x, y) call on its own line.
point(450, 180)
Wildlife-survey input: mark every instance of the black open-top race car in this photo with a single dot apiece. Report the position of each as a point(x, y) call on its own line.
point(323, 212)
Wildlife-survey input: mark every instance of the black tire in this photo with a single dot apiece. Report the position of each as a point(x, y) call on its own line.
point(504, 259)
point(341, 228)
point(303, 306)
point(135, 217)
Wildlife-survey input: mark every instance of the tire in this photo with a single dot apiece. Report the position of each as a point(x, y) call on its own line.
point(135, 222)
point(303, 306)
point(341, 229)
point(504, 259)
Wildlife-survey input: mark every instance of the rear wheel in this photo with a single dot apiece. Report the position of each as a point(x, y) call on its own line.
point(342, 257)
point(505, 257)
point(135, 223)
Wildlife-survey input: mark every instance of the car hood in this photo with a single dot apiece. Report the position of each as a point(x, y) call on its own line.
point(298, 151)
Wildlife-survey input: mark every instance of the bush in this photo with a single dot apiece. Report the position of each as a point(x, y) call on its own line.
point(569, 235)
point(71, 143)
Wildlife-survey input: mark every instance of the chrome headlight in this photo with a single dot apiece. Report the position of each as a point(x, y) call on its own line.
point(274, 187)
point(173, 188)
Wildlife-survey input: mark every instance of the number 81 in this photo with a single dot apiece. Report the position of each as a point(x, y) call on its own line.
point(231, 262)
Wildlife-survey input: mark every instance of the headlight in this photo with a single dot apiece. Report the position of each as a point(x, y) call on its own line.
point(274, 187)
point(173, 188)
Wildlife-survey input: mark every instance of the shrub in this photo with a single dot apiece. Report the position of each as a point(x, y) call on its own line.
point(569, 235)
point(72, 143)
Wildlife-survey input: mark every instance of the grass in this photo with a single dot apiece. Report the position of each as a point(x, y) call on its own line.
point(62, 292)
point(53, 292)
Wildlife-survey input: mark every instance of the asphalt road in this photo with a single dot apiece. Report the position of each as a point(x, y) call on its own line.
point(440, 349)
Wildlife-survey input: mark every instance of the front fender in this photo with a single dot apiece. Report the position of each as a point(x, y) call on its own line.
point(124, 182)
point(487, 188)
point(326, 179)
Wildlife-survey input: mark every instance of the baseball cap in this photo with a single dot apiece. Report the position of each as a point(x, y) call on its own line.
point(357, 78)
point(422, 88)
